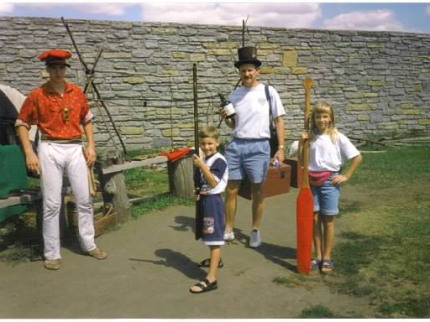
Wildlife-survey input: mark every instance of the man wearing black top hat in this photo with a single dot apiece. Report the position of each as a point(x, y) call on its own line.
point(248, 154)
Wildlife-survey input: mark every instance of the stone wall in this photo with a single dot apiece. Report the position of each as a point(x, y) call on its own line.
point(378, 82)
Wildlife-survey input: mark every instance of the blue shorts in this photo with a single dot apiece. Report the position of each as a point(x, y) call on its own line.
point(211, 207)
point(248, 157)
point(326, 198)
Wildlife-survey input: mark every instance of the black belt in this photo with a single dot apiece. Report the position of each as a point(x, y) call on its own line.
point(62, 141)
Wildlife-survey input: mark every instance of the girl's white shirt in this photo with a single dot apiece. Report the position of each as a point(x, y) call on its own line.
point(326, 155)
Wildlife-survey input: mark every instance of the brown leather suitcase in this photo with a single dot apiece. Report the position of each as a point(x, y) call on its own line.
point(296, 172)
point(277, 182)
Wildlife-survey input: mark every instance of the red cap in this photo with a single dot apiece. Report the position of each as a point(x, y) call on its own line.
point(55, 56)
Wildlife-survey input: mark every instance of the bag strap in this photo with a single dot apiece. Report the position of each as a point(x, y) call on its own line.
point(266, 89)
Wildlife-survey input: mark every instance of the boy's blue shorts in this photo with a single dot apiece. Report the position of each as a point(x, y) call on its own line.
point(326, 198)
point(211, 208)
point(250, 157)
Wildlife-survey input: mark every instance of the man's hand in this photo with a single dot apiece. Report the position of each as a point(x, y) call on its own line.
point(90, 155)
point(32, 162)
point(280, 155)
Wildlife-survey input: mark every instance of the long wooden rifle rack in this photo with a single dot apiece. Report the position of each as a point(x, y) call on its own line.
point(91, 85)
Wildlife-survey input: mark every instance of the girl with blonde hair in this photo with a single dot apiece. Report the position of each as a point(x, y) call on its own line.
point(329, 149)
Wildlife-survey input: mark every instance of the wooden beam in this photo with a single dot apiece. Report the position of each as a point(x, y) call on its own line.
point(19, 200)
point(134, 164)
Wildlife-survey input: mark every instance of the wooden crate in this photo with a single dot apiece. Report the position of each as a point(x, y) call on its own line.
point(296, 172)
point(103, 220)
point(277, 182)
point(103, 217)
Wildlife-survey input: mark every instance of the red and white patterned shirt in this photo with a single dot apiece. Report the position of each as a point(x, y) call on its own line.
point(45, 107)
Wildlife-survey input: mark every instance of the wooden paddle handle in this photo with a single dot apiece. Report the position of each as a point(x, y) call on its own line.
point(307, 84)
point(92, 182)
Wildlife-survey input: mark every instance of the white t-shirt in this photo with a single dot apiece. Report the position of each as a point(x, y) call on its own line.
point(218, 167)
point(326, 155)
point(252, 111)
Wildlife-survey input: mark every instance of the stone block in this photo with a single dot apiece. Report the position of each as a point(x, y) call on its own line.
point(164, 30)
point(214, 45)
point(170, 132)
point(388, 126)
point(360, 107)
point(266, 70)
point(180, 55)
point(418, 88)
point(376, 83)
point(267, 45)
point(290, 58)
point(407, 105)
point(375, 45)
point(370, 95)
point(411, 111)
point(132, 131)
point(134, 80)
point(425, 121)
point(197, 57)
point(221, 52)
point(172, 72)
point(336, 85)
point(299, 70)
point(363, 117)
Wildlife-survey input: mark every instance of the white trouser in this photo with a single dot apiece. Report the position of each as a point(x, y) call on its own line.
point(54, 159)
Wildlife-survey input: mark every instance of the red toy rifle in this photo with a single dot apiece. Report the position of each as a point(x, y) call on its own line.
point(304, 206)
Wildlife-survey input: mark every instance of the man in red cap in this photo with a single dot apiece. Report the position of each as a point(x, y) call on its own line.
point(60, 110)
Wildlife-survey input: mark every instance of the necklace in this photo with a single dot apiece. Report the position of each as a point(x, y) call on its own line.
point(59, 88)
point(65, 113)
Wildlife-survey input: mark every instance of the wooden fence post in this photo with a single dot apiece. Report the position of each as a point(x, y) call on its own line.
point(113, 186)
point(181, 181)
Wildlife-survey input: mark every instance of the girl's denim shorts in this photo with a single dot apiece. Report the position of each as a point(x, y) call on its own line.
point(326, 198)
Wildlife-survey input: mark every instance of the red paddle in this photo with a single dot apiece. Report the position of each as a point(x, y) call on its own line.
point(305, 204)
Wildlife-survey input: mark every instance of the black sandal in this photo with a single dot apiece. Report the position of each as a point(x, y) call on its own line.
point(205, 286)
point(327, 266)
point(206, 263)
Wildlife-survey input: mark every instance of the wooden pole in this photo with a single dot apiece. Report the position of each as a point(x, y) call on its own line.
point(198, 216)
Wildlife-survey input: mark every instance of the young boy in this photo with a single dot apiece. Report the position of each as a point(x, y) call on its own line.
point(213, 176)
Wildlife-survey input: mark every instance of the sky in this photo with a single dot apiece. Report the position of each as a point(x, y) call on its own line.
point(334, 15)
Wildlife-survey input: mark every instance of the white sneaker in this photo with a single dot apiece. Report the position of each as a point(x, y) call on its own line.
point(255, 239)
point(229, 236)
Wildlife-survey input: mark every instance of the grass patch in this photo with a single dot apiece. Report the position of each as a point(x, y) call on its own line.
point(16, 254)
point(159, 203)
point(146, 181)
point(398, 166)
point(386, 256)
point(19, 239)
point(152, 184)
point(317, 311)
point(291, 281)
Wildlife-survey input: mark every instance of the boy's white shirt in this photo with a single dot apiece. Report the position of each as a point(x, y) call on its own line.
point(221, 182)
point(326, 155)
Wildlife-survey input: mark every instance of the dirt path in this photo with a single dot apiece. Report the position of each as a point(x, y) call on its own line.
point(152, 263)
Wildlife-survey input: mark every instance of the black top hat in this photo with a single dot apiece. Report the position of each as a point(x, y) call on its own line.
point(247, 55)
